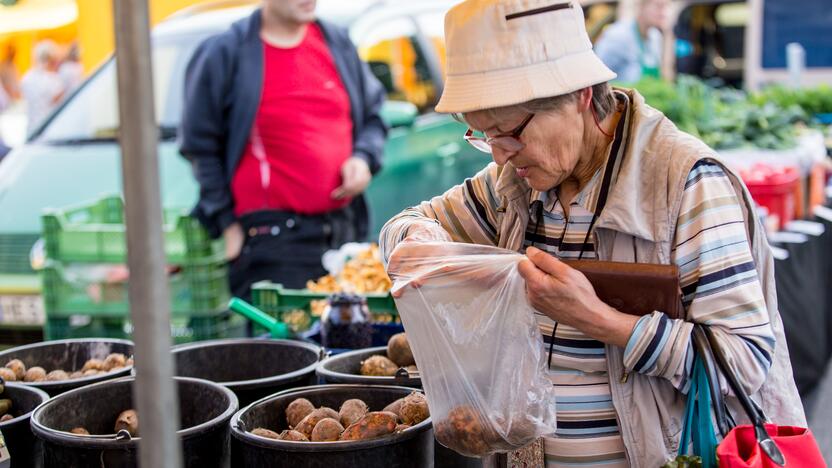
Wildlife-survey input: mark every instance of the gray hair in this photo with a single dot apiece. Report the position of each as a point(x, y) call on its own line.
point(602, 101)
point(44, 51)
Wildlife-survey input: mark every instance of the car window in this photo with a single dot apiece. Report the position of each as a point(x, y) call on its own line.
point(92, 113)
point(397, 58)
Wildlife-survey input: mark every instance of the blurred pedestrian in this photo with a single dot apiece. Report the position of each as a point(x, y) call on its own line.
point(71, 70)
point(281, 123)
point(42, 87)
point(9, 77)
point(632, 48)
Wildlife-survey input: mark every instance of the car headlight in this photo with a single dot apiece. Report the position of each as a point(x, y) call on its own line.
point(37, 255)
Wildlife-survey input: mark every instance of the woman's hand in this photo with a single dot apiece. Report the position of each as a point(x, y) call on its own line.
point(566, 296)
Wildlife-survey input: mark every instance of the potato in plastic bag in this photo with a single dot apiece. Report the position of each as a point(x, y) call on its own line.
point(477, 345)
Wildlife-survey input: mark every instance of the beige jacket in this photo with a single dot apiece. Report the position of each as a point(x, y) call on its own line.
point(638, 225)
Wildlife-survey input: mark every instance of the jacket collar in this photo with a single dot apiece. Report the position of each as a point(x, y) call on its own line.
point(635, 206)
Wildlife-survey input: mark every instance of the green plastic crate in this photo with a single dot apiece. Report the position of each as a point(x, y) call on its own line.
point(276, 301)
point(183, 329)
point(95, 233)
point(200, 285)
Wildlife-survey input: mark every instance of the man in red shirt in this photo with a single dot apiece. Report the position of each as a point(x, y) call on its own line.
point(281, 124)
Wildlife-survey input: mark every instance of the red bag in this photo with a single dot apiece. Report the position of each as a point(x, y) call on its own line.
point(740, 448)
point(759, 444)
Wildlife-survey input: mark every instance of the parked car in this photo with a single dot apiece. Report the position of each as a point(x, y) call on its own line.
point(74, 156)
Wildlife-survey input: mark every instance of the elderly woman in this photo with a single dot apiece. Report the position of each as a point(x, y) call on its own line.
point(585, 171)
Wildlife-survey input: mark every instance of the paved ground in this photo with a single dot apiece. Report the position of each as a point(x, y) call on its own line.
point(819, 411)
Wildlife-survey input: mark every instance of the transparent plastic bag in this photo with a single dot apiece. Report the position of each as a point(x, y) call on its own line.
point(476, 343)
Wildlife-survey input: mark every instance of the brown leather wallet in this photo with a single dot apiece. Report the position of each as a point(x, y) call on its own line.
point(634, 288)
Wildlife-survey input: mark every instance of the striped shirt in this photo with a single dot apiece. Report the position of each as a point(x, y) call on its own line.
point(719, 284)
point(587, 433)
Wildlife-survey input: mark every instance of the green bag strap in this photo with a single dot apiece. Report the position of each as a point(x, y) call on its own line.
point(704, 437)
point(698, 427)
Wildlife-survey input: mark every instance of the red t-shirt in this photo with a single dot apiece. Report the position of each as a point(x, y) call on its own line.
point(305, 127)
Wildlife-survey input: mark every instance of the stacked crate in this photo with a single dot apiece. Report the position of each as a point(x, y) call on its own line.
point(85, 278)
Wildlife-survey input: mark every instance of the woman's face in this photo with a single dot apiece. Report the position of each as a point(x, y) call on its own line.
point(552, 142)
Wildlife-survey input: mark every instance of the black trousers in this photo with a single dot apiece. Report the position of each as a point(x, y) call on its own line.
point(286, 248)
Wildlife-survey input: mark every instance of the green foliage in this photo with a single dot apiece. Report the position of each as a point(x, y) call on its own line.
point(724, 118)
point(813, 101)
point(684, 461)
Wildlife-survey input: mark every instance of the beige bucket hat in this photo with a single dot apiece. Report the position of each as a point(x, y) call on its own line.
point(506, 52)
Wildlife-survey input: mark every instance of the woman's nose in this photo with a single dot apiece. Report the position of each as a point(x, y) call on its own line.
point(501, 156)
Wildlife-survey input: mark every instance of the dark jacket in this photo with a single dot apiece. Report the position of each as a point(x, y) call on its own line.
point(223, 84)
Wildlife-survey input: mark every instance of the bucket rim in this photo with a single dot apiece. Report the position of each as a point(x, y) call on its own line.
point(254, 383)
point(356, 379)
point(107, 441)
point(26, 388)
point(53, 385)
point(340, 446)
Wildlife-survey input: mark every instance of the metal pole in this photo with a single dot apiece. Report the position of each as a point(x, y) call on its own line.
point(154, 392)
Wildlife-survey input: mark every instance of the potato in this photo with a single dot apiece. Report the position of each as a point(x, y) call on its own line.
point(398, 350)
point(414, 409)
point(293, 436)
point(114, 360)
point(395, 407)
point(463, 431)
point(308, 423)
point(402, 427)
point(259, 431)
point(297, 410)
point(57, 375)
point(17, 366)
point(7, 374)
point(327, 430)
point(129, 362)
point(79, 431)
point(351, 411)
point(379, 366)
point(372, 425)
point(129, 421)
point(6, 417)
point(90, 372)
point(5, 406)
point(35, 374)
point(76, 375)
point(93, 364)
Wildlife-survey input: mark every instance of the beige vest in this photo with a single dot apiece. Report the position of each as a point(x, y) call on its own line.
point(638, 225)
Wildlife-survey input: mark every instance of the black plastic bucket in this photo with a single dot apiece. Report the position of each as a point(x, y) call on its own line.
point(411, 448)
point(69, 355)
point(251, 368)
point(345, 368)
point(23, 446)
point(205, 409)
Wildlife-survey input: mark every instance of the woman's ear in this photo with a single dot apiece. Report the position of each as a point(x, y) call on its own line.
point(584, 99)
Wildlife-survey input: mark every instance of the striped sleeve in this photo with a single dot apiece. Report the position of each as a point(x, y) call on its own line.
point(720, 288)
point(467, 212)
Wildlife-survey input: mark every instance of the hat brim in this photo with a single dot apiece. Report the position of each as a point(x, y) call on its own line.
point(498, 88)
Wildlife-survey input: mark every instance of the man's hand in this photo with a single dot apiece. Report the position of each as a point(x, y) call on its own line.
point(234, 239)
point(355, 177)
point(566, 296)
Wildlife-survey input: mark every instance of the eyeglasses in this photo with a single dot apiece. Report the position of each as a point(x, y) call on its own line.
point(509, 141)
